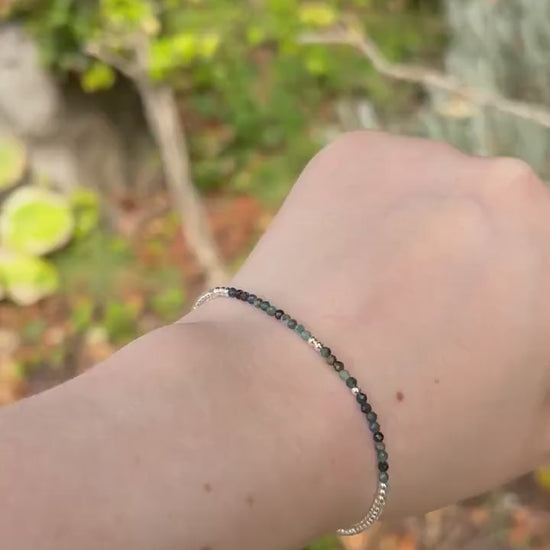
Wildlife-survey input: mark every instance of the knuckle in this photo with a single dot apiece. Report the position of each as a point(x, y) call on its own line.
point(513, 178)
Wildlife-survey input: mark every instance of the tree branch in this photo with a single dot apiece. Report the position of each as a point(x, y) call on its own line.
point(428, 77)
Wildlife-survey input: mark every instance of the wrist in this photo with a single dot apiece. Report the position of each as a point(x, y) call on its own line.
point(313, 416)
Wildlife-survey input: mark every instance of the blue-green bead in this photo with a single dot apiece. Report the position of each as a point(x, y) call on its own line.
point(258, 302)
point(285, 318)
point(292, 324)
point(374, 427)
point(325, 352)
point(372, 417)
point(300, 328)
point(265, 305)
point(351, 382)
point(384, 477)
point(343, 374)
point(306, 335)
point(271, 311)
point(382, 456)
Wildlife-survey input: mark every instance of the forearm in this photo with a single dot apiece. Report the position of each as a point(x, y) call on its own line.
point(199, 435)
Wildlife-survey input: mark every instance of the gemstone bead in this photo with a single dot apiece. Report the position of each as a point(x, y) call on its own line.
point(279, 314)
point(380, 446)
point(292, 324)
point(285, 317)
point(338, 366)
point(271, 311)
point(372, 417)
point(382, 456)
point(361, 397)
point(366, 408)
point(238, 294)
point(264, 305)
point(351, 382)
point(383, 477)
point(331, 359)
point(232, 292)
point(300, 328)
point(378, 436)
point(325, 352)
point(305, 334)
point(374, 427)
point(343, 374)
point(258, 302)
point(383, 466)
point(244, 296)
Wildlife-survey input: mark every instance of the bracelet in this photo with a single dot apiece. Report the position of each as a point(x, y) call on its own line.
point(382, 456)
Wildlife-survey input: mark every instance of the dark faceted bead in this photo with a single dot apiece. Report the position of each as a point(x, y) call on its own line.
point(383, 477)
point(374, 427)
point(244, 296)
point(338, 366)
point(378, 436)
point(232, 292)
point(285, 318)
point(258, 302)
point(292, 324)
point(279, 313)
point(251, 298)
point(265, 304)
point(372, 416)
point(366, 408)
point(271, 311)
point(383, 466)
point(238, 294)
point(331, 359)
point(325, 352)
point(351, 382)
point(361, 397)
point(382, 456)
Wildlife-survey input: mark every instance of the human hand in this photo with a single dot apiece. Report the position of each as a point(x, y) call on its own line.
point(427, 272)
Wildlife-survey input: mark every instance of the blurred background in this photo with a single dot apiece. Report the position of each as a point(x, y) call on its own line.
point(145, 145)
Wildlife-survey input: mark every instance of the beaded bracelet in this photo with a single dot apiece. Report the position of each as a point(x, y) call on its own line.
point(382, 456)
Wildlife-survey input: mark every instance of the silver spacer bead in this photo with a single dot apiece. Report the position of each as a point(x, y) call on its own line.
point(374, 513)
point(315, 343)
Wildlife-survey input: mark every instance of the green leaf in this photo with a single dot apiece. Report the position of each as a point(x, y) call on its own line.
point(35, 221)
point(85, 206)
point(27, 279)
point(317, 15)
point(98, 76)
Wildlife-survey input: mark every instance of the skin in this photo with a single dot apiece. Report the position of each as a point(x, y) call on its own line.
point(428, 273)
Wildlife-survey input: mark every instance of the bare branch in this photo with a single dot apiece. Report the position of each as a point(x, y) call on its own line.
point(127, 67)
point(428, 77)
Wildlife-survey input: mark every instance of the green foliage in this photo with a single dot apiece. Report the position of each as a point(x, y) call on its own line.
point(26, 279)
point(326, 543)
point(168, 303)
point(240, 66)
point(119, 320)
point(35, 221)
point(85, 207)
point(98, 76)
